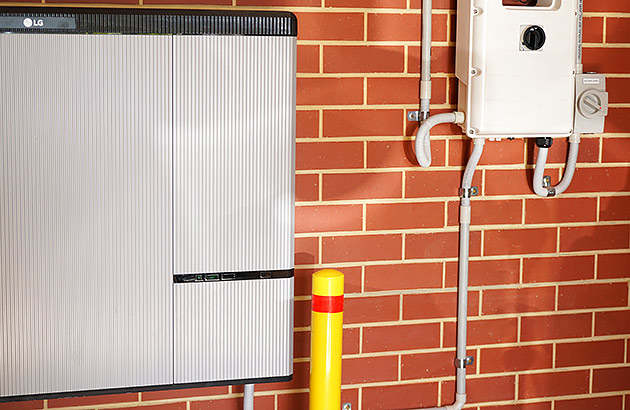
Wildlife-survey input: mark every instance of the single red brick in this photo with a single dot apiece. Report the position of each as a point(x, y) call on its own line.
point(307, 58)
point(371, 309)
point(553, 384)
point(361, 248)
point(369, 369)
point(405, 396)
point(613, 380)
point(512, 181)
point(600, 180)
point(437, 4)
point(359, 123)
point(179, 2)
point(396, 154)
point(593, 30)
point(330, 26)
point(95, 400)
point(118, 1)
point(515, 359)
point(608, 6)
point(352, 279)
point(483, 332)
point(386, 4)
point(302, 344)
point(560, 210)
point(260, 402)
point(329, 91)
point(613, 266)
point(555, 327)
point(439, 245)
point(607, 60)
point(618, 91)
point(482, 390)
point(501, 301)
point(422, 184)
point(485, 273)
point(291, 401)
point(169, 406)
point(589, 353)
point(437, 305)
point(306, 187)
point(529, 406)
point(399, 277)
point(616, 149)
point(442, 59)
point(328, 155)
point(363, 59)
point(593, 296)
point(403, 27)
point(388, 338)
point(347, 396)
point(362, 186)
point(612, 323)
point(429, 365)
point(405, 216)
point(520, 241)
point(616, 208)
point(279, 3)
point(351, 341)
point(176, 394)
point(558, 269)
point(302, 313)
point(328, 218)
point(306, 251)
point(594, 238)
point(617, 30)
point(307, 124)
point(598, 403)
point(489, 212)
point(22, 405)
point(494, 153)
point(618, 120)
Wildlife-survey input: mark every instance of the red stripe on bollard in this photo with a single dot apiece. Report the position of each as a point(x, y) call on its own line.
point(327, 304)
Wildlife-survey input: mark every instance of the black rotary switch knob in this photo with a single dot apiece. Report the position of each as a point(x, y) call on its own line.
point(534, 38)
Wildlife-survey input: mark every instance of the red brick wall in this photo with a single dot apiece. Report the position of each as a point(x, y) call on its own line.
point(549, 313)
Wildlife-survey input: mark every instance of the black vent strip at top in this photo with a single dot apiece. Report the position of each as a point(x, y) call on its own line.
point(159, 21)
point(231, 276)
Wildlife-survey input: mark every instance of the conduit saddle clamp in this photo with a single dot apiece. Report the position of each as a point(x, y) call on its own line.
point(551, 191)
point(468, 192)
point(462, 363)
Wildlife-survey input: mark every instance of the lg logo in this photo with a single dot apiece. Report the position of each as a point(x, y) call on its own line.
point(33, 23)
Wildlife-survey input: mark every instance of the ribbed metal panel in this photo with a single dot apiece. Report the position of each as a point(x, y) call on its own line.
point(85, 212)
point(151, 21)
point(234, 139)
point(233, 330)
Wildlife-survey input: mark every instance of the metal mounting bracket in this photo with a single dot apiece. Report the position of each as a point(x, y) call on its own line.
point(413, 116)
point(462, 363)
point(468, 192)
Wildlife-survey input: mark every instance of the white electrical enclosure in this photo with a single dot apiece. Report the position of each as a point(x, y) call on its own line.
point(507, 89)
point(146, 199)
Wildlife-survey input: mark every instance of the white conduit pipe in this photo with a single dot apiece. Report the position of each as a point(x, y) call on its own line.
point(423, 140)
point(539, 173)
point(462, 290)
point(425, 85)
point(248, 397)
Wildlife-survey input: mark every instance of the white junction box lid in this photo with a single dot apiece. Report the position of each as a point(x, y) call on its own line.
point(516, 67)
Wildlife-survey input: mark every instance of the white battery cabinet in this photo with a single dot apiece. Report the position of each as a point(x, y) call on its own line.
point(147, 162)
point(516, 66)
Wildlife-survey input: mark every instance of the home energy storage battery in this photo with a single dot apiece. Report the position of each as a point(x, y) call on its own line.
point(146, 199)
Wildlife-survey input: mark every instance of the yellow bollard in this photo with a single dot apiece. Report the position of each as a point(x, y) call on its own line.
point(326, 336)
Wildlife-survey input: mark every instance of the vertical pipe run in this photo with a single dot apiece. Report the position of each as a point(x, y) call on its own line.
point(248, 397)
point(425, 85)
point(326, 337)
